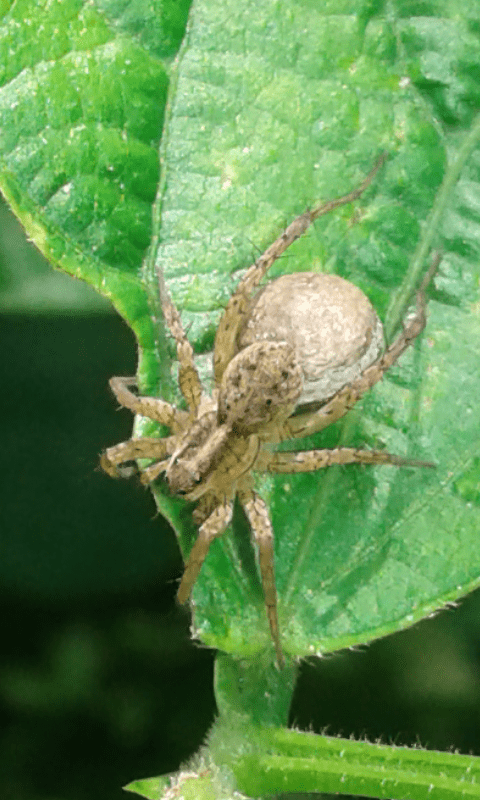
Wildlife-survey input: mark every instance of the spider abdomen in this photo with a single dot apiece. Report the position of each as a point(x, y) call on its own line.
point(329, 322)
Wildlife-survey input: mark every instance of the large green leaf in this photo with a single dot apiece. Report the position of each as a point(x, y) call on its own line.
point(82, 105)
point(257, 132)
point(274, 106)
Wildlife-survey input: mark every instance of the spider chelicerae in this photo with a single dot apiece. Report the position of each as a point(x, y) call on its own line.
point(216, 444)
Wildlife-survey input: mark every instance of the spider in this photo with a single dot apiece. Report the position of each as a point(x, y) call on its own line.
point(217, 443)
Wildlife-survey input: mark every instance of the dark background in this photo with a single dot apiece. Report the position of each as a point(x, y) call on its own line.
point(99, 683)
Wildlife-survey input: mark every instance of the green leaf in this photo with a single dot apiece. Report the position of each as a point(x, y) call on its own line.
point(257, 132)
point(274, 106)
point(82, 100)
point(148, 787)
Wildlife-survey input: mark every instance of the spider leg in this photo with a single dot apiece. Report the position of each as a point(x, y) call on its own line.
point(151, 407)
point(188, 377)
point(204, 508)
point(238, 305)
point(213, 526)
point(262, 529)
point(147, 447)
point(311, 460)
point(152, 472)
point(305, 424)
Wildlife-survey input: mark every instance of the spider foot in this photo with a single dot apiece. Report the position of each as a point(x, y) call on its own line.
point(113, 468)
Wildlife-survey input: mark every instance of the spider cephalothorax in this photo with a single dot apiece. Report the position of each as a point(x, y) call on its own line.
point(220, 440)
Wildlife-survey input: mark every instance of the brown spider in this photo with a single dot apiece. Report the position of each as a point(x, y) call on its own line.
point(216, 444)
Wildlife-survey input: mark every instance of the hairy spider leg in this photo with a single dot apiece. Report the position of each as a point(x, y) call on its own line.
point(262, 529)
point(237, 306)
point(305, 424)
point(188, 377)
point(146, 447)
point(291, 461)
point(151, 407)
point(213, 526)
